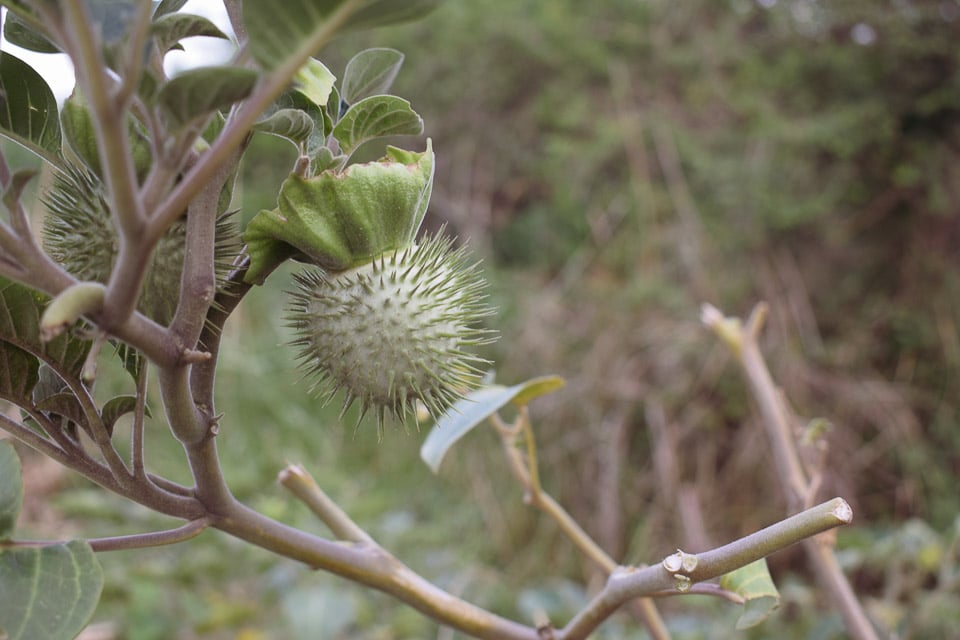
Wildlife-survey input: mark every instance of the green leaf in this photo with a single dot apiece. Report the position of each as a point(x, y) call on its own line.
point(170, 29)
point(280, 32)
point(321, 122)
point(293, 124)
point(476, 407)
point(19, 373)
point(379, 13)
point(48, 592)
point(21, 33)
point(116, 408)
point(11, 489)
point(63, 404)
point(754, 583)
point(315, 81)
point(168, 6)
point(369, 73)
point(198, 92)
point(28, 109)
point(81, 136)
point(375, 117)
point(20, 310)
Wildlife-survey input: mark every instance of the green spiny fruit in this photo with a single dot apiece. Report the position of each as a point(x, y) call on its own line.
point(78, 233)
point(393, 332)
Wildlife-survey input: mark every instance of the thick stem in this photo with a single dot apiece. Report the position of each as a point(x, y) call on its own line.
point(372, 566)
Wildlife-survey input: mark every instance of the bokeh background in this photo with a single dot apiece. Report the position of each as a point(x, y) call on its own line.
point(616, 164)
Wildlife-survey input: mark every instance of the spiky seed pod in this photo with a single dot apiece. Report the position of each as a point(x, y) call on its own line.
point(79, 234)
point(394, 331)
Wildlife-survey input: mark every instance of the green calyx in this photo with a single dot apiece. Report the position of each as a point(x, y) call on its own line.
point(393, 333)
point(339, 220)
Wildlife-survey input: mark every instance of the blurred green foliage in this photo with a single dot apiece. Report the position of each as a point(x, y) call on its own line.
point(617, 163)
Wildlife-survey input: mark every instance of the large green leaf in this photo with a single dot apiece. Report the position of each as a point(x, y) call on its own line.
point(198, 92)
point(294, 29)
point(49, 591)
point(11, 489)
point(375, 117)
point(28, 109)
point(754, 583)
point(476, 407)
point(369, 73)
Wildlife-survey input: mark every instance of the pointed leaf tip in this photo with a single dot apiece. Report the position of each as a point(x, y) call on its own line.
point(476, 407)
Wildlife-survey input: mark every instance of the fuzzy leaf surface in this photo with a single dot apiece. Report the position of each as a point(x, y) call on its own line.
point(338, 220)
point(754, 583)
point(375, 117)
point(293, 124)
point(476, 407)
point(11, 489)
point(371, 72)
point(198, 92)
point(28, 109)
point(48, 591)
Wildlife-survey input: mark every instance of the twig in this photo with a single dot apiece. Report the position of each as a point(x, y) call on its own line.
point(300, 483)
point(629, 582)
point(528, 476)
point(743, 343)
point(151, 539)
point(136, 432)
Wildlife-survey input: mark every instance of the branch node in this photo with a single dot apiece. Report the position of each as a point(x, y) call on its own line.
point(193, 356)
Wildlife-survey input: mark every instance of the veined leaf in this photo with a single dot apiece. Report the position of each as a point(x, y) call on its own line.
point(375, 117)
point(293, 124)
point(28, 109)
point(370, 73)
point(11, 489)
point(754, 583)
point(198, 92)
point(48, 592)
point(476, 407)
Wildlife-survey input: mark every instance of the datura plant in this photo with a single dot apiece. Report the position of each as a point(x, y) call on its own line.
point(384, 318)
point(140, 247)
